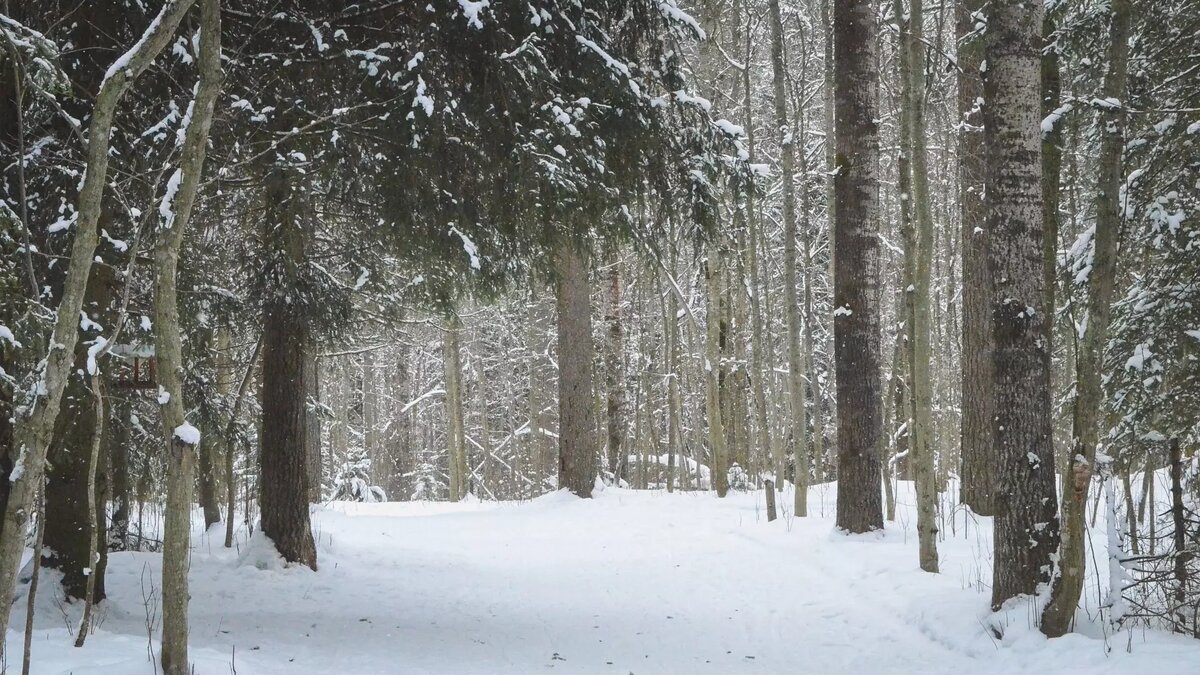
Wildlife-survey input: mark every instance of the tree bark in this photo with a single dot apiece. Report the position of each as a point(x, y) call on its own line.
point(1026, 525)
point(1068, 585)
point(856, 266)
point(978, 461)
point(577, 445)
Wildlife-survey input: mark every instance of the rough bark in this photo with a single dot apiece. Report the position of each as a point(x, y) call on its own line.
point(33, 431)
point(856, 266)
point(283, 462)
point(312, 422)
point(978, 461)
point(1085, 432)
point(1026, 525)
point(577, 443)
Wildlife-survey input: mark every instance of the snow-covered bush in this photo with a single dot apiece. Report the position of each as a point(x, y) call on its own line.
point(352, 483)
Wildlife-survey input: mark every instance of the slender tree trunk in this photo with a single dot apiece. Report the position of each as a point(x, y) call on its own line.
point(312, 423)
point(791, 301)
point(918, 249)
point(34, 429)
point(856, 263)
point(1068, 585)
point(1026, 525)
point(613, 376)
point(181, 438)
point(456, 446)
point(719, 461)
point(576, 413)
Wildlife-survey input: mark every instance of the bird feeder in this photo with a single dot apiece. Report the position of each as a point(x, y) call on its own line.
point(137, 369)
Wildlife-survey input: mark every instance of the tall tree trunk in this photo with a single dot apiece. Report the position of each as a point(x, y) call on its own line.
point(181, 438)
point(856, 265)
point(918, 255)
point(283, 462)
point(33, 430)
point(718, 460)
point(791, 301)
point(1085, 432)
point(312, 422)
point(577, 446)
point(978, 471)
point(613, 376)
point(456, 447)
point(1026, 525)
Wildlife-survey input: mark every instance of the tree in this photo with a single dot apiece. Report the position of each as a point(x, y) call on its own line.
point(856, 266)
point(1059, 614)
point(34, 429)
point(578, 450)
point(1026, 525)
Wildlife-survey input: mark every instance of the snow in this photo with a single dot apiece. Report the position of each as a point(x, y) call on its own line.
point(187, 433)
point(471, 11)
point(630, 581)
point(165, 209)
point(6, 334)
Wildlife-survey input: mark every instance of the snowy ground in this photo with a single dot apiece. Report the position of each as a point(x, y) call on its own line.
point(630, 582)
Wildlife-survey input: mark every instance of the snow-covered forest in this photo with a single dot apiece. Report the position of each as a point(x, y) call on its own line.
point(654, 336)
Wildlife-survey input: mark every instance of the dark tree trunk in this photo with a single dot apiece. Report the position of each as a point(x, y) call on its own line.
point(978, 460)
point(117, 441)
point(67, 512)
point(283, 475)
point(856, 266)
point(577, 446)
point(283, 450)
point(1026, 526)
point(312, 424)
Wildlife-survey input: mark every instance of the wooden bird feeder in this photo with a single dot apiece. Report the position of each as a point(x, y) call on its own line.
point(137, 371)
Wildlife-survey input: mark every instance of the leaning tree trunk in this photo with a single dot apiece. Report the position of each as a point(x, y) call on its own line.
point(856, 266)
point(978, 461)
point(576, 411)
point(34, 429)
point(1068, 585)
point(1026, 525)
point(791, 302)
point(181, 438)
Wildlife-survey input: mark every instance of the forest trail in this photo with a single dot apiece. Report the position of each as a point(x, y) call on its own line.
point(630, 582)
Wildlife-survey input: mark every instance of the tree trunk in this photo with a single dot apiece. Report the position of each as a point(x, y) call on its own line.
point(456, 447)
point(1089, 393)
point(791, 301)
point(918, 248)
point(978, 460)
point(613, 376)
point(577, 446)
point(33, 430)
point(283, 462)
point(1026, 527)
point(312, 422)
point(856, 265)
point(718, 461)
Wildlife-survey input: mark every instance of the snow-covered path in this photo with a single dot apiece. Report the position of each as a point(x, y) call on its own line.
point(627, 582)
